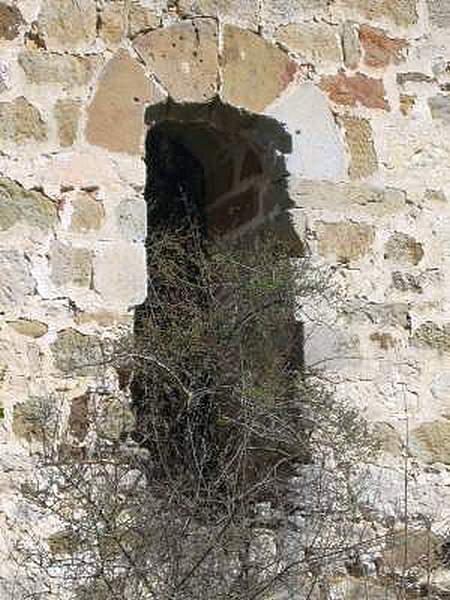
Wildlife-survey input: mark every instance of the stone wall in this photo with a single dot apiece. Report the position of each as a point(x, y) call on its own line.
point(363, 88)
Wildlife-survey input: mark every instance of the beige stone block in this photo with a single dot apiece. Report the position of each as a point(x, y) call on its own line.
point(68, 24)
point(113, 22)
point(120, 273)
point(42, 68)
point(255, 72)
point(275, 12)
point(69, 265)
point(399, 12)
point(141, 19)
point(67, 115)
point(184, 58)
point(75, 353)
point(21, 122)
point(20, 205)
point(403, 249)
point(431, 441)
point(10, 21)
point(243, 12)
point(344, 241)
point(116, 114)
point(315, 42)
point(358, 135)
point(29, 327)
point(87, 213)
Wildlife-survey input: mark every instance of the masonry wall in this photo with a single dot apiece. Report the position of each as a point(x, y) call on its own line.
point(363, 87)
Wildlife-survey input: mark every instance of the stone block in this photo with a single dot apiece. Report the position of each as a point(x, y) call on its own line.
point(243, 12)
point(440, 107)
point(315, 42)
point(184, 58)
point(112, 22)
point(141, 19)
point(433, 335)
point(358, 135)
point(403, 249)
point(10, 21)
point(75, 353)
point(69, 265)
point(87, 213)
point(67, 115)
point(431, 441)
point(439, 12)
point(275, 12)
point(21, 122)
point(68, 24)
point(440, 387)
point(344, 241)
point(20, 205)
point(254, 71)
point(79, 422)
point(380, 50)
point(350, 44)
point(43, 68)
point(116, 114)
point(120, 273)
point(29, 420)
point(16, 280)
point(407, 103)
point(351, 90)
point(29, 327)
point(400, 12)
point(132, 219)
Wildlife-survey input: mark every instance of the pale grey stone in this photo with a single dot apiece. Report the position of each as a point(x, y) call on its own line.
point(132, 219)
point(439, 11)
point(15, 277)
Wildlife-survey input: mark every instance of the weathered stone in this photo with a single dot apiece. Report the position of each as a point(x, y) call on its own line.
point(184, 57)
point(15, 277)
point(433, 335)
point(132, 219)
point(141, 19)
point(350, 45)
point(113, 278)
point(315, 42)
point(380, 50)
point(87, 213)
point(10, 21)
point(29, 420)
point(281, 11)
point(413, 77)
point(400, 12)
point(386, 315)
point(21, 122)
point(67, 114)
point(407, 103)
point(388, 438)
point(63, 69)
point(440, 387)
point(75, 353)
point(68, 24)
point(402, 249)
point(112, 22)
point(255, 72)
point(384, 340)
point(18, 204)
point(244, 12)
point(5, 76)
point(344, 241)
point(29, 327)
point(440, 107)
point(115, 116)
point(415, 283)
point(439, 11)
point(117, 418)
point(358, 135)
point(70, 265)
point(78, 421)
point(353, 89)
point(432, 440)
point(63, 543)
point(420, 547)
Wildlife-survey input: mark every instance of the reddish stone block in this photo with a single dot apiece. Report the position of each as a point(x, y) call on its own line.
point(380, 50)
point(349, 90)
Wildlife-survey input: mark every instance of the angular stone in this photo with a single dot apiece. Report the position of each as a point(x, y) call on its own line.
point(358, 135)
point(68, 24)
point(15, 277)
point(18, 204)
point(439, 11)
point(380, 50)
point(403, 249)
point(67, 114)
point(78, 421)
point(389, 439)
point(243, 12)
point(87, 213)
point(132, 219)
point(400, 12)
point(276, 12)
point(440, 107)
point(10, 21)
point(433, 335)
point(353, 89)
point(407, 103)
point(70, 265)
point(141, 19)
point(432, 441)
point(21, 122)
point(255, 72)
point(350, 45)
point(29, 420)
point(184, 57)
point(29, 327)
point(315, 42)
point(120, 273)
point(344, 241)
point(75, 353)
point(63, 69)
point(115, 116)
point(112, 23)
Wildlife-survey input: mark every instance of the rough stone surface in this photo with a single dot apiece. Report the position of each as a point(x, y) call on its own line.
point(132, 219)
point(10, 21)
point(315, 42)
point(17, 282)
point(432, 441)
point(75, 353)
point(402, 249)
point(79, 417)
point(115, 116)
point(87, 213)
point(380, 50)
point(28, 423)
point(400, 12)
point(440, 107)
point(350, 45)
point(280, 11)
point(345, 242)
point(21, 122)
point(67, 114)
point(434, 336)
point(358, 135)
point(70, 265)
point(20, 205)
point(113, 22)
point(353, 89)
point(439, 11)
point(245, 12)
point(68, 24)
point(141, 19)
point(62, 69)
point(255, 72)
point(184, 58)
point(29, 327)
